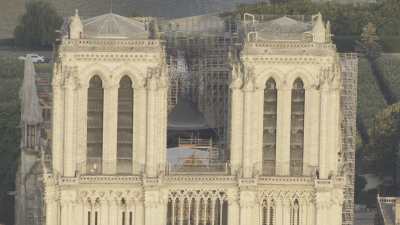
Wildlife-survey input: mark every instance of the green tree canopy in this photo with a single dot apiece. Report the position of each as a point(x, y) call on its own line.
point(37, 26)
point(384, 140)
point(369, 44)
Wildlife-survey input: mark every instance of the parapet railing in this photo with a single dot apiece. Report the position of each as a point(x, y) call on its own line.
point(95, 166)
point(209, 168)
point(101, 42)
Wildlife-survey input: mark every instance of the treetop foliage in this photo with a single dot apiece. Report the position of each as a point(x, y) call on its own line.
point(38, 25)
point(369, 45)
point(346, 19)
point(384, 142)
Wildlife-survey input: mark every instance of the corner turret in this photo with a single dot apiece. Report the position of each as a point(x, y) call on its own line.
point(319, 31)
point(75, 27)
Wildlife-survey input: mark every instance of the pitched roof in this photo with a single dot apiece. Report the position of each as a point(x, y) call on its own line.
point(283, 28)
point(114, 26)
point(185, 116)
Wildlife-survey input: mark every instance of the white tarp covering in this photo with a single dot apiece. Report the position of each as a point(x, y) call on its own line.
point(178, 156)
point(31, 112)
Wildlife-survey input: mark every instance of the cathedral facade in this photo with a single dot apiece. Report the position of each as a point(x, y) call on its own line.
point(277, 147)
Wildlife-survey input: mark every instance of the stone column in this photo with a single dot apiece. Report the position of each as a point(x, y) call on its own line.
point(279, 212)
point(259, 130)
point(104, 209)
point(78, 214)
point(248, 130)
point(139, 126)
point(283, 131)
point(139, 214)
point(303, 212)
point(86, 207)
point(151, 167)
point(65, 213)
point(324, 130)
point(110, 126)
point(247, 209)
point(311, 212)
point(311, 131)
point(69, 151)
point(337, 198)
point(82, 128)
point(51, 211)
point(236, 125)
point(154, 208)
point(113, 209)
point(233, 208)
point(322, 203)
point(57, 129)
point(286, 211)
point(334, 129)
point(163, 117)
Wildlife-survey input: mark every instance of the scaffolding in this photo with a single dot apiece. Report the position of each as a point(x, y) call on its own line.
point(198, 50)
point(205, 48)
point(349, 64)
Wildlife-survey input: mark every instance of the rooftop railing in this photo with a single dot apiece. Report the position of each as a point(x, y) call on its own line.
point(122, 166)
point(222, 168)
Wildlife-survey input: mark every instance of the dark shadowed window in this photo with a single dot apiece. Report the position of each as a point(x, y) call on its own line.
point(297, 129)
point(269, 130)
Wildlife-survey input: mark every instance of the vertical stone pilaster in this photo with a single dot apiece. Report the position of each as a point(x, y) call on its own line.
point(110, 118)
point(113, 209)
point(69, 151)
point(248, 131)
point(139, 213)
point(311, 213)
point(334, 129)
point(78, 213)
point(279, 212)
point(51, 211)
point(58, 127)
point(104, 209)
point(285, 211)
point(283, 131)
point(236, 128)
point(324, 132)
point(322, 211)
point(233, 208)
point(154, 206)
point(311, 130)
point(247, 210)
point(139, 125)
point(82, 128)
point(163, 127)
point(64, 213)
point(258, 135)
point(151, 167)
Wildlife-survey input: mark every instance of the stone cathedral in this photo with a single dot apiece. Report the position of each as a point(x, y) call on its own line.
point(205, 120)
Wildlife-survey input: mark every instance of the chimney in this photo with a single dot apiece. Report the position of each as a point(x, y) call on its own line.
point(397, 211)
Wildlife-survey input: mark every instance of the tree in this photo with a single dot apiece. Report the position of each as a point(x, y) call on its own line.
point(360, 184)
point(384, 141)
point(11, 75)
point(369, 44)
point(37, 26)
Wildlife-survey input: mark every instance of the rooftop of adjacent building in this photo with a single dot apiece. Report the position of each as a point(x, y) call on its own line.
point(254, 27)
point(389, 210)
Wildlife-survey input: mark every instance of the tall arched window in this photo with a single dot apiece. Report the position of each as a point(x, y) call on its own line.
point(125, 126)
point(95, 126)
point(297, 129)
point(269, 130)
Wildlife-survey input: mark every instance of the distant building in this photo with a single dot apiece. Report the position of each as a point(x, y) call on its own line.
point(388, 211)
point(263, 132)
